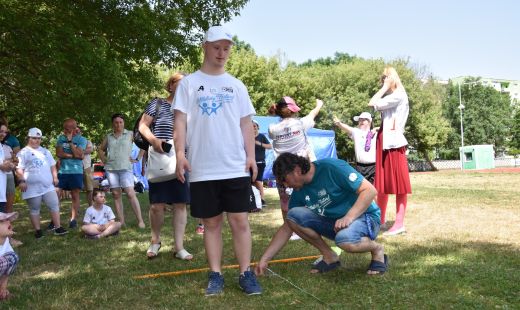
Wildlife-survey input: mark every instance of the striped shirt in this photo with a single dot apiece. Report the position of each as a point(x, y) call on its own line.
point(163, 127)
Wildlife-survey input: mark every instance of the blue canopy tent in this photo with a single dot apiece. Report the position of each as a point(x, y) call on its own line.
point(322, 141)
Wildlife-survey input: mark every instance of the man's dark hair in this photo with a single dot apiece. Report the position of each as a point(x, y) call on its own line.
point(287, 162)
point(116, 115)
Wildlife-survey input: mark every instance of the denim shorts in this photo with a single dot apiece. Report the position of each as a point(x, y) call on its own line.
point(120, 178)
point(324, 226)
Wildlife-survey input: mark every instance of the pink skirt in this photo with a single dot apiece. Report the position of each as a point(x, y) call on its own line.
point(392, 175)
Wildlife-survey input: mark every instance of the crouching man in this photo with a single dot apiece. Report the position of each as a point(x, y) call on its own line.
point(330, 199)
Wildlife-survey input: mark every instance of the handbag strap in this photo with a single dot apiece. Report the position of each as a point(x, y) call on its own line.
point(158, 102)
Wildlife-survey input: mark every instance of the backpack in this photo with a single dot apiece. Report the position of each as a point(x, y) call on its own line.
point(139, 140)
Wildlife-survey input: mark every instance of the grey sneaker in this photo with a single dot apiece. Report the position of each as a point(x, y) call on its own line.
point(249, 284)
point(215, 284)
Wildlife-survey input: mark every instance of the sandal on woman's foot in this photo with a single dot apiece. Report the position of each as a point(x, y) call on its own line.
point(153, 250)
point(322, 267)
point(183, 254)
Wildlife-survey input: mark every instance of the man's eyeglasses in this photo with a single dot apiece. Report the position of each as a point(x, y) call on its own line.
point(35, 138)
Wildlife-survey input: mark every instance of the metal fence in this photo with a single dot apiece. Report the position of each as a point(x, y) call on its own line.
point(422, 165)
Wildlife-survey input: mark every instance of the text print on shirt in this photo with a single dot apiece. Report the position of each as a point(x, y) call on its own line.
point(210, 104)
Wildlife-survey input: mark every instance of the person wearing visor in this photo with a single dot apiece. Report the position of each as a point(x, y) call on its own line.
point(364, 144)
point(290, 136)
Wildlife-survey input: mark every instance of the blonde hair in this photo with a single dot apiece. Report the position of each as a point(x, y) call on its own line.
point(176, 77)
point(392, 73)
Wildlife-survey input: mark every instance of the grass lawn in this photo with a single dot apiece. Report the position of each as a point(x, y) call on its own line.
point(461, 251)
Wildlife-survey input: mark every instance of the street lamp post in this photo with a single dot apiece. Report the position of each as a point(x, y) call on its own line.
point(461, 107)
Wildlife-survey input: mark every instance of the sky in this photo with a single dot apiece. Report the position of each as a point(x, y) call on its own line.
point(443, 38)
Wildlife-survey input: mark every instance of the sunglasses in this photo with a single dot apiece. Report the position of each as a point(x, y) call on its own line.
point(35, 138)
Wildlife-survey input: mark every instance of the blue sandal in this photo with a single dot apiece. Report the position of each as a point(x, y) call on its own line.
point(323, 267)
point(378, 266)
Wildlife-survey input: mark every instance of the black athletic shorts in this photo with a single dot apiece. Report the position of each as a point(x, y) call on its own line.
point(367, 170)
point(211, 198)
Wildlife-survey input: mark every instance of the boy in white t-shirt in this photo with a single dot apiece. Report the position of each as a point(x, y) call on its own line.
point(99, 220)
point(8, 258)
point(213, 122)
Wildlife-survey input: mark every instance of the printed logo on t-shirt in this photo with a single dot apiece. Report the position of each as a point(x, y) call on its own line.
point(352, 177)
point(37, 163)
point(288, 133)
point(211, 104)
point(201, 88)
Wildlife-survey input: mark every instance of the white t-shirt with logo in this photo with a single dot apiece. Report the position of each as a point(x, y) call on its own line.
point(100, 217)
point(214, 106)
point(36, 165)
point(359, 136)
point(289, 136)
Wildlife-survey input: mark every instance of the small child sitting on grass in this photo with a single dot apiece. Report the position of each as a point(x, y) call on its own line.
point(8, 258)
point(99, 220)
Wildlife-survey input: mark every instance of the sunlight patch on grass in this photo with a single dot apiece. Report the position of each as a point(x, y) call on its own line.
point(429, 261)
point(47, 275)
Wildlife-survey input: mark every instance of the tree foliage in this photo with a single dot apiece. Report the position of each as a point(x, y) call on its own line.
point(487, 115)
point(89, 59)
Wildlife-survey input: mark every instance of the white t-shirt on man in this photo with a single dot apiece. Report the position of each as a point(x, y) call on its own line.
point(100, 217)
point(36, 165)
point(289, 136)
point(214, 105)
point(360, 137)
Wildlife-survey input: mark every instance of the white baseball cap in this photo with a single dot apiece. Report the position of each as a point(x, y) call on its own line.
point(35, 133)
point(217, 33)
point(364, 115)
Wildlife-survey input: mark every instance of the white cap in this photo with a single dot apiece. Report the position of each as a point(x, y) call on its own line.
point(364, 115)
point(35, 133)
point(217, 33)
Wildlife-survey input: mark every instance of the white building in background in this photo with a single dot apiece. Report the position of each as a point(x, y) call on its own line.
point(511, 87)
